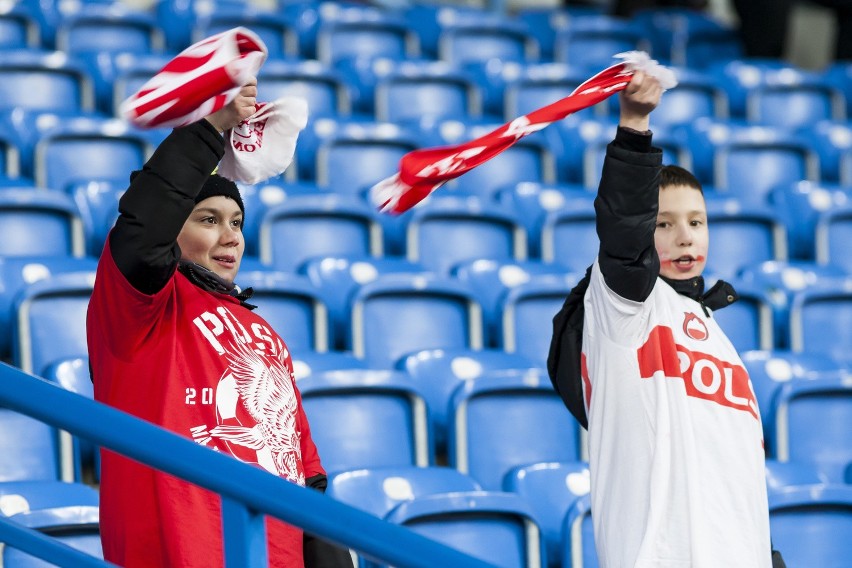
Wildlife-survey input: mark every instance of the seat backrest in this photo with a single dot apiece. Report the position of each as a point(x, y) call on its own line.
point(398, 314)
point(493, 526)
point(550, 488)
point(795, 106)
point(400, 98)
point(321, 87)
point(50, 321)
point(799, 205)
point(821, 321)
point(812, 421)
point(438, 372)
point(278, 34)
point(306, 226)
point(378, 490)
point(340, 40)
point(730, 226)
point(363, 418)
point(28, 449)
point(578, 535)
point(447, 233)
point(95, 31)
point(75, 526)
point(461, 45)
point(350, 166)
point(748, 322)
point(31, 82)
point(811, 526)
point(834, 238)
point(569, 237)
point(501, 422)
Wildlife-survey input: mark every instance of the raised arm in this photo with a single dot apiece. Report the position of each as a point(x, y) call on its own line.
point(628, 195)
point(161, 196)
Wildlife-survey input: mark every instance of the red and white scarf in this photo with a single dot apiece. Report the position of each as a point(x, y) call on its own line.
point(423, 171)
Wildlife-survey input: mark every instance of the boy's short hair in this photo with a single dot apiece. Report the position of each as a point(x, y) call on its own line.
point(676, 175)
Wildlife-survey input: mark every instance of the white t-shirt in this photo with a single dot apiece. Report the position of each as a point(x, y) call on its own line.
point(675, 439)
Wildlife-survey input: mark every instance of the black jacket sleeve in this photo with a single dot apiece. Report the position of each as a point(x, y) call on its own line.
point(158, 202)
point(626, 214)
point(320, 553)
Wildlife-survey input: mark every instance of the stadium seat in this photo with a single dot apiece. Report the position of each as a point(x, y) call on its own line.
point(685, 36)
point(810, 526)
point(783, 476)
point(821, 321)
point(550, 488)
point(365, 418)
point(592, 41)
point(527, 311)
point(568, 140)
point(446, 232)
point(770, 369)
point(44, 81)
point(75, 526)
point(502, 421)
point(88, 149)
point(41, 222)
point(541, 84)
point(430, 21)
point(795, 106)
point(740, 76)
point(50, 321)
point(307, 226)
point(812, 424)
point(532, 201)
point(733, 223)
point(292, 306)
point(578, 535)
point(799, 206)
point(97, 205)
point(781, 280)
point(27, 496)
point(569, 237)
point(108, 28)
point(398, 314)
point(438, 372)
point(674, 152)
point(832, 237)
point(492, 279)
point(307, 363)
point(177, 17)
point(19, 29)
point(274, 29)
point(411, 91)
point(337, 278)
point(378, 490)
point(360, 155)
point(479, 43)
point(323, 88)
point(28, 449)
point(367, 38)
point(528, 159)
point(546, 21)
point(748, 322)
point(490, 525)
point(832, 142)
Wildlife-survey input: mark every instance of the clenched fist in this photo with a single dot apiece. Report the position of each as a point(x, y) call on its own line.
point(239, 109)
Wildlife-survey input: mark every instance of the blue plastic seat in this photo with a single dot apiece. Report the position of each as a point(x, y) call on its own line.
point(114, 28)
point(795, 106)
point(28, 449)
point(769, 370)
point(578, 535)
point(501, 421)
point(41, 222)
point(429, 22)
point(569, 138)
point(732, 224)
point(783, 476)
point(438, 372)
point(337, 278)
point(811, 526)
point(411, 91)
point(526, 306)
point(677, 34)
point(492, 279)
point(292, 305)
point(306, 226)
point(546, 21)
point(550, 488)
point(50, 321)
point(493, 526)
point(832, 237)
point(781, 280)
point(478, 43)
point(307, 363)
point(177, 17)
point(399, 314)
point(274, 29)
point(447, 232)
point(378, 490)
point(821, 321)
point(799, 205)
point(741, 76)
point(569, 237)
point(832, 142)
point(748, 322)
point(88, 149)
point(26, 496)
point(538, 85)
point(344, 38)
point(323, 88)
point(75, 526)
point(364, 418)
point(44, 81)
point(591, 41)
point(97, 205)
point(674, 152)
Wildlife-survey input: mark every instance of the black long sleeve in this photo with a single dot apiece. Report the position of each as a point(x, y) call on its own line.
point(626, 214)
point(318, 552)
point(158, 202)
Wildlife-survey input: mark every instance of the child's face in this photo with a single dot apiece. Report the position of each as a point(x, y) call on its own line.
point(212, 236)
point(681, 237)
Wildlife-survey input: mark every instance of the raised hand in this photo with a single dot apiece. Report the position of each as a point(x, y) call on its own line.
point(239, 109)
point(641, 96)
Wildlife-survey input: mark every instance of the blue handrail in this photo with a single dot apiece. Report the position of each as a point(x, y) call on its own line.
point(247, 492)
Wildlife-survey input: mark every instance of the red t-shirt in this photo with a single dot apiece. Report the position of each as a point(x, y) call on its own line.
point(203, 366)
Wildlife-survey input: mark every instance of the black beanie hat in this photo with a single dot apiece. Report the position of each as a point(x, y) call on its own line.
point(217, 185)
